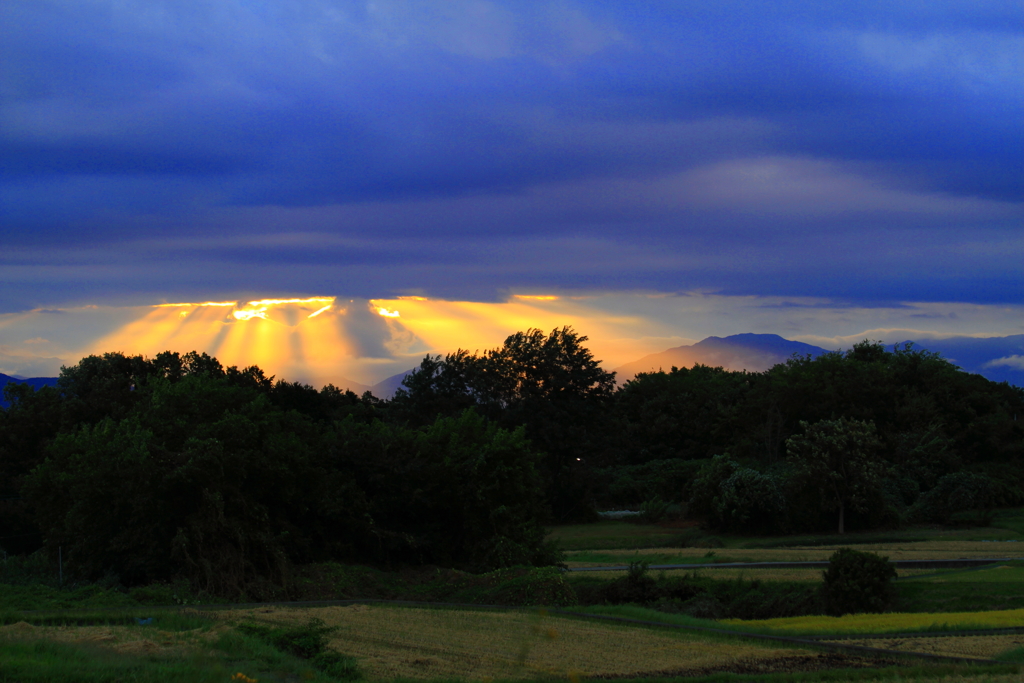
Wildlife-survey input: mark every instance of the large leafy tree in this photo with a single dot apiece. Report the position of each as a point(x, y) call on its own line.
point(227, 479)
point(551, 384)
point(840, 457)
point(462, 492)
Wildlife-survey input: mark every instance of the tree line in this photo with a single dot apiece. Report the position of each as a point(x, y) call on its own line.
point(152, 468)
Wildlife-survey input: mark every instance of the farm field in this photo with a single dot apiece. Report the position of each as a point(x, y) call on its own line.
point(391, 642)
point(414, 643)
point(621, 535)
point(978, 647)
point(469, 645)
point(887, 623)
point(915, 550)
point(761, 574)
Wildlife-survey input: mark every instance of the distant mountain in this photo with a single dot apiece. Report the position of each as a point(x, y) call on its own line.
point(754, 352)
point(387, 388)
point(1000, 359)
point(35, 382)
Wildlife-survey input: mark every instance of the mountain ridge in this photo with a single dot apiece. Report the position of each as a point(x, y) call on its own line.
point(1000, 359)
point(748, 351)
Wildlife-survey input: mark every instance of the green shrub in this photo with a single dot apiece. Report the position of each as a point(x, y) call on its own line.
point(514, 586)
point(749, 501)
point(652, 511)
point(858, 582)
point(307, 642)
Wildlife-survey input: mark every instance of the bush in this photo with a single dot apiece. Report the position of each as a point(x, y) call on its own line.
point(307, 642)
point(750, 501)
point(652, 511)
point(857, 582)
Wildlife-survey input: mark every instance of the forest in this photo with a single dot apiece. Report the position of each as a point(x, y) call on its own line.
point(174, 467)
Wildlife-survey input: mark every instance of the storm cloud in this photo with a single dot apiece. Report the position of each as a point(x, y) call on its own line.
point(865, 152)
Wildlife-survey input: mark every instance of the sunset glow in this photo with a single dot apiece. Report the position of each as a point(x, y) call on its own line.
point(320, 310)
point(250, 314)
point(320, 340)
point(207, 303)
point(348, 342)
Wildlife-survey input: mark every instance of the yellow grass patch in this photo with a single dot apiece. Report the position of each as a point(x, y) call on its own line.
point(980, 647)
point(880, 623)
point(393, 642)
point(127, 639)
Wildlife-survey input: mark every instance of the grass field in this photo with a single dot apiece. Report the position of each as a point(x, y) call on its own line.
point(100, 642)
point(913, 550)
point(444, 644)
point(771, 574)
point(1002, 574)
point(1008, 525)
point(888, 623)
point(978, 647)
point(470, 645)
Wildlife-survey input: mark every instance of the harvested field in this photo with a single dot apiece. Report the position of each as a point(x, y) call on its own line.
point(394, 642)
point(979, 647)
point(894, 622)
point(126, 639)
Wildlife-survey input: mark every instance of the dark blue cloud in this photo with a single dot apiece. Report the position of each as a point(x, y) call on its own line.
point(476, 131)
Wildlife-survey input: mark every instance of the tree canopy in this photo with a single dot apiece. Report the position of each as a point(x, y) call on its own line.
point(152, 468)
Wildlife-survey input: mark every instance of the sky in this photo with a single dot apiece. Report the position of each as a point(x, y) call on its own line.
point(666, 170)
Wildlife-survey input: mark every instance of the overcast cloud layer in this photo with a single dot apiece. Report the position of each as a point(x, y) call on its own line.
point(159, 151)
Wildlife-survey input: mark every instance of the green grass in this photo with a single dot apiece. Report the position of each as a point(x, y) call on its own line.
point(947, 674)
point(958, 596)
point(1011, 519)
point(165, 619)
point(969, 673)
point(611, 534)
point(991, 588)
point(1014, 655)
point(612, 558)
point(620, 535)
point(1004, 573)
point(47, 662)
point(37, 597)
point(33, 658)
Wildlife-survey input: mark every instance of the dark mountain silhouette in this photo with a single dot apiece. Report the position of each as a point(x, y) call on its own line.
point(1000, 359)
point(755, 352)
point(35, 382)
point(386, 388)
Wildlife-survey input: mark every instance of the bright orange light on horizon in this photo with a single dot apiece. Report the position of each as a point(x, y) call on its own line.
point(250, 314)
point(320, 340)
point(318, 312)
